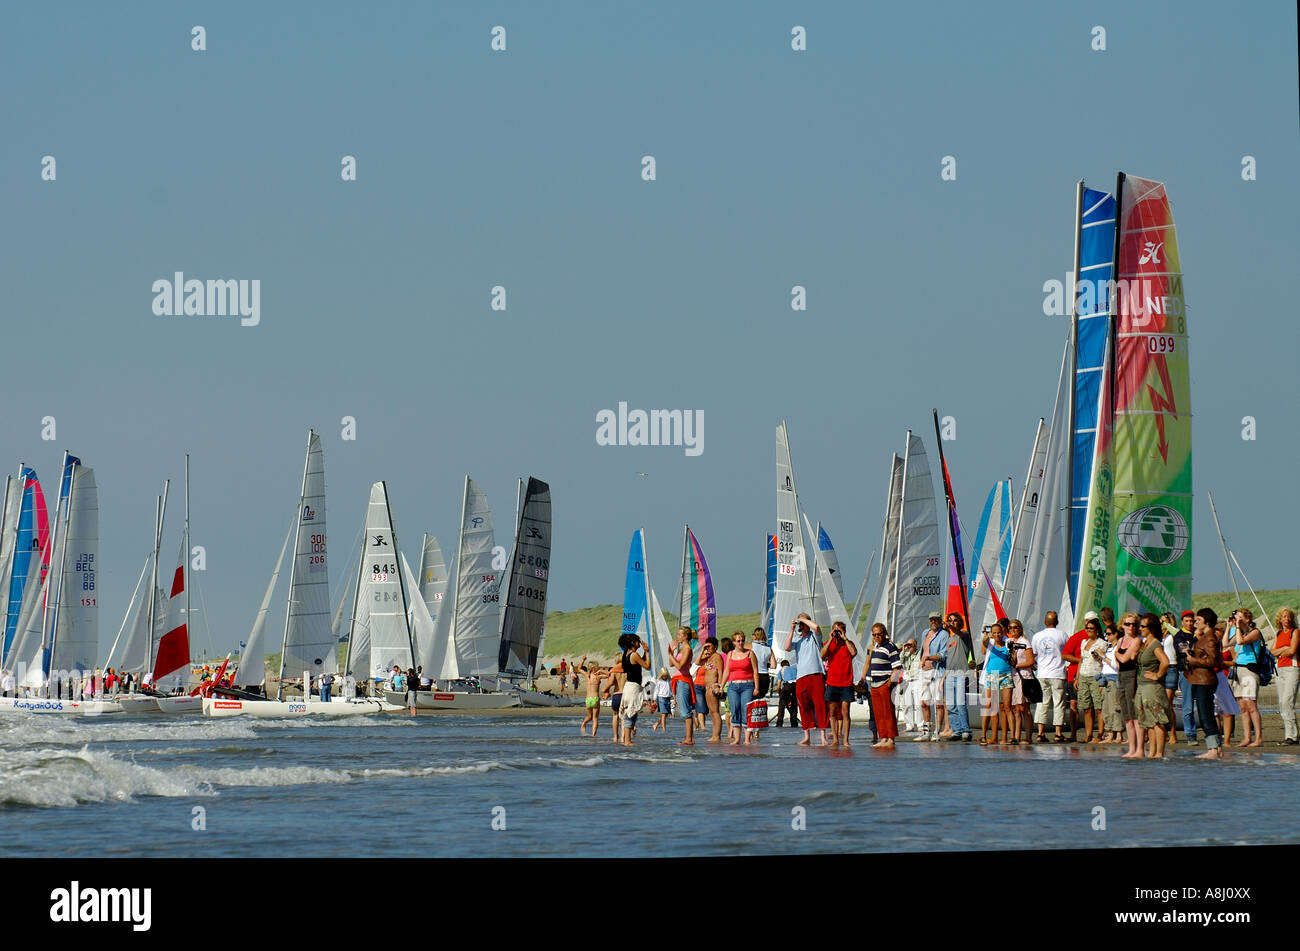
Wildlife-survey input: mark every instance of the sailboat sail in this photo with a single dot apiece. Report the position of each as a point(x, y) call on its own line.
point(821, 610)
point(252, 658)
point(832, 560)
point(769, 584)
point(76, 617)
point(793, 587)
point(956, 600)
point(432, 586)
point(1096, 569)
point(31, 552)
point(174, 645)
point(478, 583)
point(1152, 419)
point(524, 616)
point(381, 589)
point(917, 588)
point(635, 590)
point(991, 556)
point(1046, 583)
point(883, 598)
point(11, 507)
point(1026, 516)
point(307, 638)
point(131, 645)
point(1095, 252)
point(698, 608)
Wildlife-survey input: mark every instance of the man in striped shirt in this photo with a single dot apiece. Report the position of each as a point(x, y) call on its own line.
point(884, 667)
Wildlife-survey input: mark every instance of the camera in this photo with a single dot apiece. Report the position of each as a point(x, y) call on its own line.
point(988, 628)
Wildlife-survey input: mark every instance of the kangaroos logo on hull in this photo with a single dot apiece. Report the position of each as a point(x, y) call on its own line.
point(308, 513)
point(1154, 535)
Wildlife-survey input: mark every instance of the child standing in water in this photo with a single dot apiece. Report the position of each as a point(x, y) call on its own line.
point(663, 700)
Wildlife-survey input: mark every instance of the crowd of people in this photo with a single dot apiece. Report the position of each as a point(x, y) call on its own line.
point(1137, 681)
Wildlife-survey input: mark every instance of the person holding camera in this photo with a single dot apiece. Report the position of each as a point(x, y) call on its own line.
point(1092, 654)
point(838, 655)
point(1025, 686)
point(997, 685)
point(1247, 642)
point(810, 687)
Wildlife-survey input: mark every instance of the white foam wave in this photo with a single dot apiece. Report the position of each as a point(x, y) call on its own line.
point(61, 777)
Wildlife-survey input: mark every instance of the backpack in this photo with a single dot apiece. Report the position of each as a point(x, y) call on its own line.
point(1267, 663)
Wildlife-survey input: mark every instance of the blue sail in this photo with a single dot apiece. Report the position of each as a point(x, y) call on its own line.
point(832, 560)
point(635, 619)
point(26, 544)
point(1096, 236)
point(769, 592)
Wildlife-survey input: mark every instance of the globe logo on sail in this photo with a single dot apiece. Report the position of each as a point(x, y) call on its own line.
point(1154, 535)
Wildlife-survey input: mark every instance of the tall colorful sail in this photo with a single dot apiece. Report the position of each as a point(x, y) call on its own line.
point(698, 607)
point(991, 555)
point(1152, 418)
point(634, 590)
point(1096, 573)
point(1094, 257)
point(956, 600)
point(32, 538)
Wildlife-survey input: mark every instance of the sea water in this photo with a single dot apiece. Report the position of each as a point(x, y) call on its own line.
point(492, 785)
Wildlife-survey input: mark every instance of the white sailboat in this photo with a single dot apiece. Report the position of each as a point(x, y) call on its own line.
point(793, 585)
point(474, 616)
point(308, 644)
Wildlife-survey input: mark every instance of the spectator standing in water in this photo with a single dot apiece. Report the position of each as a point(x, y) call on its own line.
point(838, 655)
point(810, 689)
point(956, 681)
point(763, 653)
point(663, 697)
point(1288, 674)
point(786, 698)
point(635, 660)
point(1247, 643)
point(882, 668)
point(683, 687)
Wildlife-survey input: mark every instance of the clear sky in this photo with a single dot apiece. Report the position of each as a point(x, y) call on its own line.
point(522, 168)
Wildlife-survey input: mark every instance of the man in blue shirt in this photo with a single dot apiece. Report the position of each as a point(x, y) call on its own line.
point(785, 697)
point(934, 662)
point(810, 688)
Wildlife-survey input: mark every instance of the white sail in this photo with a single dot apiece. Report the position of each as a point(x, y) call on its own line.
point(793, 588)
point(883, 598)
point(917, 586)
point(422, 624)
point(130, 650)
point(662, 638)
point(1026, 516)
point(28, 647)
point(433, 576)
point(838, 612)
point(76, 634)
point(443, 648)
point(478, 583)
point(307, 639)
point(525, 602)
point(820, 603)
point(252, 659)
point(382, 590)
point(1046, 576)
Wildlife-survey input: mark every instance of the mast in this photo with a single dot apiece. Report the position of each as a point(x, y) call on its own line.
point(953, 528)
point(1224, 546)
point(682, 591)
point(1074, 377)
point(902, 502)
point(460, 554)
point(186, 575)
point(356, 600)
point(160, 515)
point(401, 580)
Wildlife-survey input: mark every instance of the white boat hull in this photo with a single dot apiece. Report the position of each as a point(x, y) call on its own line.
point(180, 706)
point(279, 709)
point(428, 700)
point(82, 708)
point(138, 703)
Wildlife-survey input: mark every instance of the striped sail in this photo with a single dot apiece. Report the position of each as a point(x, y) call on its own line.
point(524, 616)
point(917, 588)
point(1152, 418)
point(307, 638)
point(883, 598)
point(76, 618)
point(478, 583)
point(698, 607)
point(1025, 519)
point(1095, 243)
point(31, 552)
point(793, 588)
point(11, 505)
point(172, 659)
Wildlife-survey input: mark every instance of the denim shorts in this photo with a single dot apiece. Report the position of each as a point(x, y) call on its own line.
point(685, 697)
point(663, 705)
point(701, 703)
point(1171, 678)
point(839, 695)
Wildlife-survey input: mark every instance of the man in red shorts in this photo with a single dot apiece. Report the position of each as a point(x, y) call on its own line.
point(810, 687)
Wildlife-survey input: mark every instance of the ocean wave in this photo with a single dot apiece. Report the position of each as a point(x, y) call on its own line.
point(29, 731)
point(61, 777)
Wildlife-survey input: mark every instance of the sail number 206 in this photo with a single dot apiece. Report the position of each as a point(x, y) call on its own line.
point(317, 550)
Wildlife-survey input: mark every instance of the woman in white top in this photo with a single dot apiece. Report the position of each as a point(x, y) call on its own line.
point(1110, 714)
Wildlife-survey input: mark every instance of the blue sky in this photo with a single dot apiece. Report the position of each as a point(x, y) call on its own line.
point(775, 168)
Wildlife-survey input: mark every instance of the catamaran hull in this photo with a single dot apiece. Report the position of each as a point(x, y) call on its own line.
point(429, 700)
point(280, 709)
point(534, 699)
point(138, 703)
point(174, 706)
point(82, 708)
